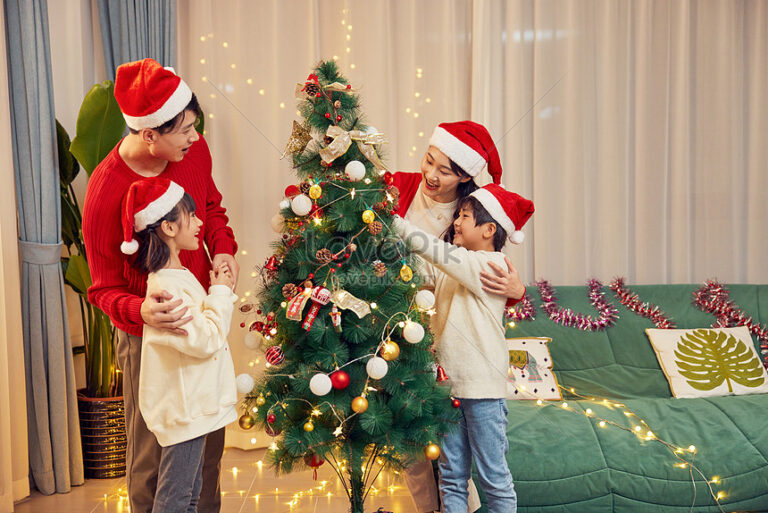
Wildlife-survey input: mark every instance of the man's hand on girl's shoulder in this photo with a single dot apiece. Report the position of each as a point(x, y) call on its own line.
point(158, 311)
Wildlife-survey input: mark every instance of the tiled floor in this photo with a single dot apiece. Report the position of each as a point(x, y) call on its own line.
point(251, 488)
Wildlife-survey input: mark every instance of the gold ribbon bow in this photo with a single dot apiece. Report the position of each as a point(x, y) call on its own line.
point(343, 139)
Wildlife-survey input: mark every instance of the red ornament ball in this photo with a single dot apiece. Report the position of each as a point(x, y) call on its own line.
point(338, 265)
point(393, 211)
point(318, 95)
point(242, 325)
point(327, 115)
point(333, 270)
point(340, 380)
point(275, 355)
point(349, 86)
point(272, 431)
point(311, 275)
point(271, 418)
point(456, 403)
point(338, 118)
point(389, 178)
point(313, 460)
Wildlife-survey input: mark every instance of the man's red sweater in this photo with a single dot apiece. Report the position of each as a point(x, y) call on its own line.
point(118, 288)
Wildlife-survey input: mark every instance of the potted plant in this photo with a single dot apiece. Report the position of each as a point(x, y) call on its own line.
point(102, 422)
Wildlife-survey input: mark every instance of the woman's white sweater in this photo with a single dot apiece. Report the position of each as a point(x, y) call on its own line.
point(187, 382)
point(468, 323)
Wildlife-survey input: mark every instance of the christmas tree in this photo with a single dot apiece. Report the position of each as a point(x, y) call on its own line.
point(350, 377)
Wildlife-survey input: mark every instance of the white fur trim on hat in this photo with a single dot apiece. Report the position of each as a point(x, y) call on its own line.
point(468, 159)
point(158, 208)
point(174, 105)
point(492, 205)
point(129, 248)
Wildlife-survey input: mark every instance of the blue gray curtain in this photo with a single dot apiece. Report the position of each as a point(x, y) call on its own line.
point(135, 29)
point(55, 455)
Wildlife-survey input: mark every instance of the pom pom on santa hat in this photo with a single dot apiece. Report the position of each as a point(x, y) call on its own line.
point(148, 200)
point(507, 208)
point(470, 146)
point(149, 94)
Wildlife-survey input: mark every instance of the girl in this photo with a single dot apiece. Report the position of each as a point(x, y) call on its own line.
point(460, 158)
point(187, 382)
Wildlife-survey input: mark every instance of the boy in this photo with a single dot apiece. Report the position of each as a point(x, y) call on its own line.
point(469, 337)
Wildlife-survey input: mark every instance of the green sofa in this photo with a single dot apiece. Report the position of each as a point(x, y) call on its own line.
point(564, 462)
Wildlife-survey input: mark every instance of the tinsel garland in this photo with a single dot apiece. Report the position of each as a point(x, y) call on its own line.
point(714, 298)
point(632, 302)
point(608, 314)
point(523, 310)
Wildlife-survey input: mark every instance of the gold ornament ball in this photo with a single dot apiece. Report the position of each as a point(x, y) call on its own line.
point(406, 273)
point(246, 421)
point(432, 452)
point(315, 191)
point(260, 401)
point(390, 351)
point(369, 216)
point(359, 404)
point(308, 426)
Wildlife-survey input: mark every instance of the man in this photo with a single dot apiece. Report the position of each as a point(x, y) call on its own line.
point(161, 112)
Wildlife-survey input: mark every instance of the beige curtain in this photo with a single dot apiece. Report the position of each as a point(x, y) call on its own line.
point(638, 128)
point(14, 459)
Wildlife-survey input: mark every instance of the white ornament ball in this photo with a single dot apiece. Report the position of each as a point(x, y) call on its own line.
point(285, 204)
point(245, 383)
point(301, 205)
point(413, 332)
point(377, 367)
point(277, 223)
point(252, 340)
point(355, 170)
point(425, 299)
point(320, 384)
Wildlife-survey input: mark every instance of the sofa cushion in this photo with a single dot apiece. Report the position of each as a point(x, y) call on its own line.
point(709, 361)
point(530, 373)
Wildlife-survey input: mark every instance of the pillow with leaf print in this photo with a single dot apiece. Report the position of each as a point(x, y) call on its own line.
point(709, 361)
point(530, 373)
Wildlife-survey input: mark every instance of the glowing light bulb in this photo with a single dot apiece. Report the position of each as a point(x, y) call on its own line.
point(602, 424)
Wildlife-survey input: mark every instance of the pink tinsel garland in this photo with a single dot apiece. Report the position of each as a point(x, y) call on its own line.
point(632, 302)
point(565, 316)
point(714, 298)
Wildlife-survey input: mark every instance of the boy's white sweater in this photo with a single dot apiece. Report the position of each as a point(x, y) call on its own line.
point(187, 382)
point(468, 323)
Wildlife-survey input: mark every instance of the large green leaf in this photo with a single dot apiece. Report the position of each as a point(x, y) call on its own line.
point(707, 358)
point(100, 125)
point(78, 276)
point(68, 166)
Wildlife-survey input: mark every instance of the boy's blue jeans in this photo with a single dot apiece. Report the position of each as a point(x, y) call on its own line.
point(481, 436)
point(180, 477)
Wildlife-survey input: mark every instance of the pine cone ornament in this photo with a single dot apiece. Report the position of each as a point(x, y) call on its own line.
point(304, 187)
point(324, 255)
point(394, 192)
point(312, 90)
point(379, 268)
point(337, 105)
point(289, 290)
point(375, 227)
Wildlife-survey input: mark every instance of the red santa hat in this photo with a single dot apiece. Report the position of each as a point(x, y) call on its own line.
point(148, 200)
point(507, 208)
point(149, 94)
point(470, 146)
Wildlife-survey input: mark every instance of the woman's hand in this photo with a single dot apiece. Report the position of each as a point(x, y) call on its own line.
point(502, 282)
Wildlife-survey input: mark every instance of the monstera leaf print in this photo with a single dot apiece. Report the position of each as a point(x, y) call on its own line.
point(707, 358)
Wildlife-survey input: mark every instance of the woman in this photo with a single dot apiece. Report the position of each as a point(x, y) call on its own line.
point(460, 158)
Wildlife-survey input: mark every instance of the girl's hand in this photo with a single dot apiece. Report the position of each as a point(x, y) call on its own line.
point(222, 275)
point(505, 283)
